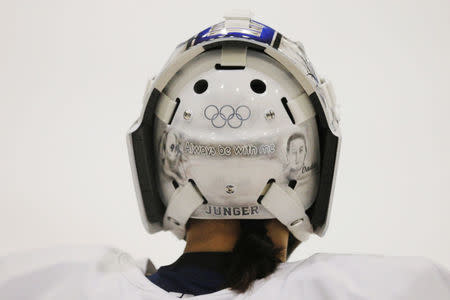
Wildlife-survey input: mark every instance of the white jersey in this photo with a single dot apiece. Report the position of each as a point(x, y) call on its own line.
point(110, 274)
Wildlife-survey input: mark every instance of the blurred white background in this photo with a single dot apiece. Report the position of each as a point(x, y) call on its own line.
point(72, 75)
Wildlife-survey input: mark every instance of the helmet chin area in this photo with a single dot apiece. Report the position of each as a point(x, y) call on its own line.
point(232, 134)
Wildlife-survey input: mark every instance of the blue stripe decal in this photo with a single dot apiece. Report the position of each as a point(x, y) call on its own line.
point(257, 32)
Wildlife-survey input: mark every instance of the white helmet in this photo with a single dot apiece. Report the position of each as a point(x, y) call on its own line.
point(237, 125)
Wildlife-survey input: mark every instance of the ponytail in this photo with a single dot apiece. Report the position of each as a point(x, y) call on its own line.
point(254, 256)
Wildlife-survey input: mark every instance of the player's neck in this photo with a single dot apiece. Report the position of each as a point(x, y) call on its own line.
point(212, 235)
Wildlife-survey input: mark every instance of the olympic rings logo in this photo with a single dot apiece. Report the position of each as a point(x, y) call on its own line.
point(227, 115)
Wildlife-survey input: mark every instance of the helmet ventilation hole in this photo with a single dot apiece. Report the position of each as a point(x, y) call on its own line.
point(292, 184)
point(175, 110)
point(259, 199)
point(286, 107)
point(266, 188)
point(196, 187)
point(220, 67)
point(258, 86)
point(175, 184)
point(201, 86)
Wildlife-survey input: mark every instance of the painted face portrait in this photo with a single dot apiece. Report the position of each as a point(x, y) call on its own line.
point(172, 156)
point(172, 147)
point(296, 153)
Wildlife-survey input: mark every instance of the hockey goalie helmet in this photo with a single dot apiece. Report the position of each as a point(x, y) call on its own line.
point(237, 126)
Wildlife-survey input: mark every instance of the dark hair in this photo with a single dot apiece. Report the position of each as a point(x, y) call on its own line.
point(254, 256)
point(297, 135)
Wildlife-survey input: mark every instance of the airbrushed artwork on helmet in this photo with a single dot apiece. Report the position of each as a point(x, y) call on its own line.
point(175, 150)
point(302, 162)
point(171, 156)
point(296, 153)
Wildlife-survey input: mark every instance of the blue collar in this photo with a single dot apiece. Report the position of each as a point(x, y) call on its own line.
point(194, 273)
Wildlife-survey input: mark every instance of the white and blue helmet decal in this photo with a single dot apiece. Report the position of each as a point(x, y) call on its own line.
point(237, 125)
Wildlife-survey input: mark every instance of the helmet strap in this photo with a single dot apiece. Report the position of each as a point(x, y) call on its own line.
point(288, 209)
